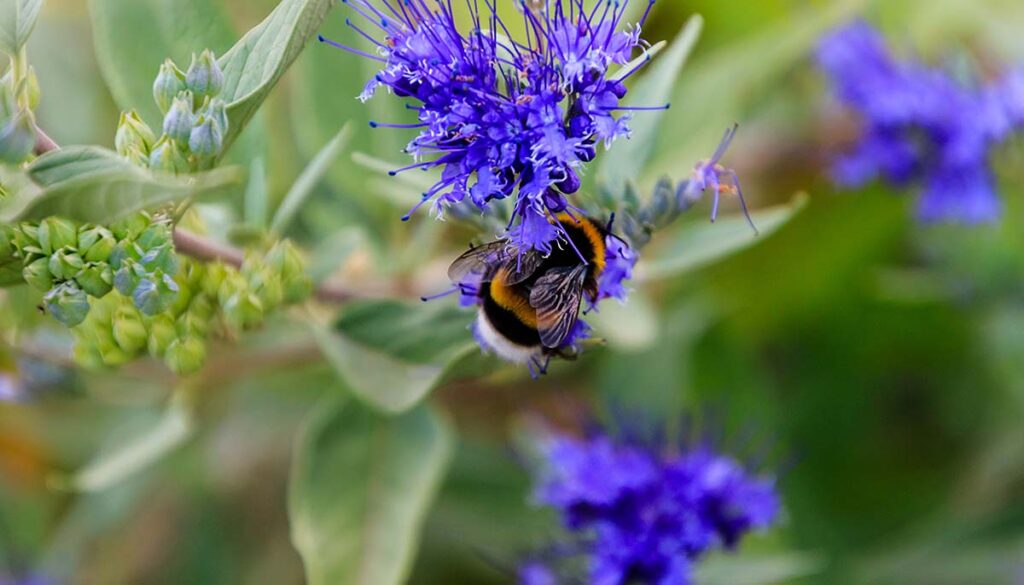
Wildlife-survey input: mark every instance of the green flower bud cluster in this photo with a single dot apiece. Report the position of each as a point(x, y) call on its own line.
point(17, 124)
point(195, 119)
point(213, 299)
point(116, 332)
point(71, 262)
point(641, 219)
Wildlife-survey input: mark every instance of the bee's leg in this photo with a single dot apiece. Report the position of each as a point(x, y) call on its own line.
point(529, 366)
point(547, 362)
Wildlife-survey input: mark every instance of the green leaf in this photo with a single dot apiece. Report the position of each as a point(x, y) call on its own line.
point(360, 487)
point(716, 90)
point(331, 253)
point(17, 19)
point(630, 326)
point(255, 208)
point(135, 452)
point(327, 82)
point(133, 37)
point(391, 354)
point(764, 570)
point(10, 271)
point(254, 65)
point(696, 246)
point(308, 180)
point(626, 161)
point(89, 183)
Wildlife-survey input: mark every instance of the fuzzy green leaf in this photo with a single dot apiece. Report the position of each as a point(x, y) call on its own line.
point(696, 246)
point(627, 159)
point(360, 487)
point(135, 451)
point(392, 354)
point(89, 183)
point(308, 180)
point(253, 66)
point(17, 19)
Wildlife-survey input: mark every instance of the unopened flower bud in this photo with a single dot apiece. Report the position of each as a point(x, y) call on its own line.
point(154, 294)
point(161, 334)
point(65, 263)
point(37, 274)
point(662, 207)
point(26, 240)
point(161, 258)
point(179, 119)
point(185, 356)
point(264, 281)
point(67, 303)
point(85, 353)
point(202, 307)
point(216, 272)
point(133, 135)
point(191, 324)
point(285, 259)
point(33, 88)
point(17, 137)
point(232, 284)
point(243, 311)
point(96, 279)
point(95, 243)
point(204, 76)
point(206, 138)
point(129, 330)
point(102, 310)
point(109, 350)
point(156, 235)
point(55, 233)
point(167, 157)
point(169, 82)
point(217, 109)
point(130, 227)
point(127, 277)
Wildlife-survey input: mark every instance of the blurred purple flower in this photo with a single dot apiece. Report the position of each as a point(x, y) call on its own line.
point(534, 573)
point(502, 116)
point(921, 126)
point(645, 514)
point(26, 579)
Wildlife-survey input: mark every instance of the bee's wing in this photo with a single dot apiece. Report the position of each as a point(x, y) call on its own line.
point(481, 260)
point(519, 267)
point(556, 297)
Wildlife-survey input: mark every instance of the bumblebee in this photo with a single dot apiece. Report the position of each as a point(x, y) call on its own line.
point(530, 302)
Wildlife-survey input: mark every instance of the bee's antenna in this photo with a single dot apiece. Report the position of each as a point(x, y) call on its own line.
point(611, 221)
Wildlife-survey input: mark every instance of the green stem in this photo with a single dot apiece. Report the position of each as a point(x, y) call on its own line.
point(19, 77)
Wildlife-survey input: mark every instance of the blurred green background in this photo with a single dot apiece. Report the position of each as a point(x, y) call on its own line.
point(881, 363)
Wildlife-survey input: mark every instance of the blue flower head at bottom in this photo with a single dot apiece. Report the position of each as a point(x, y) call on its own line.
point(643, 513)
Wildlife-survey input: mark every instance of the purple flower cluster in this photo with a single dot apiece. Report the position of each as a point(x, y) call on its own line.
point(921, 126)
point(27, 579)
point(642, 515)
point(502, 116)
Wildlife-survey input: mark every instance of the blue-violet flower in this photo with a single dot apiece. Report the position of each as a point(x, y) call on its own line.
point(645, 514)
point(501, 116)
point(921, 126)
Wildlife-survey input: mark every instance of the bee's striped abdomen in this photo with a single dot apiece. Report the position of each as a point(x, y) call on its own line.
point(510, 313)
